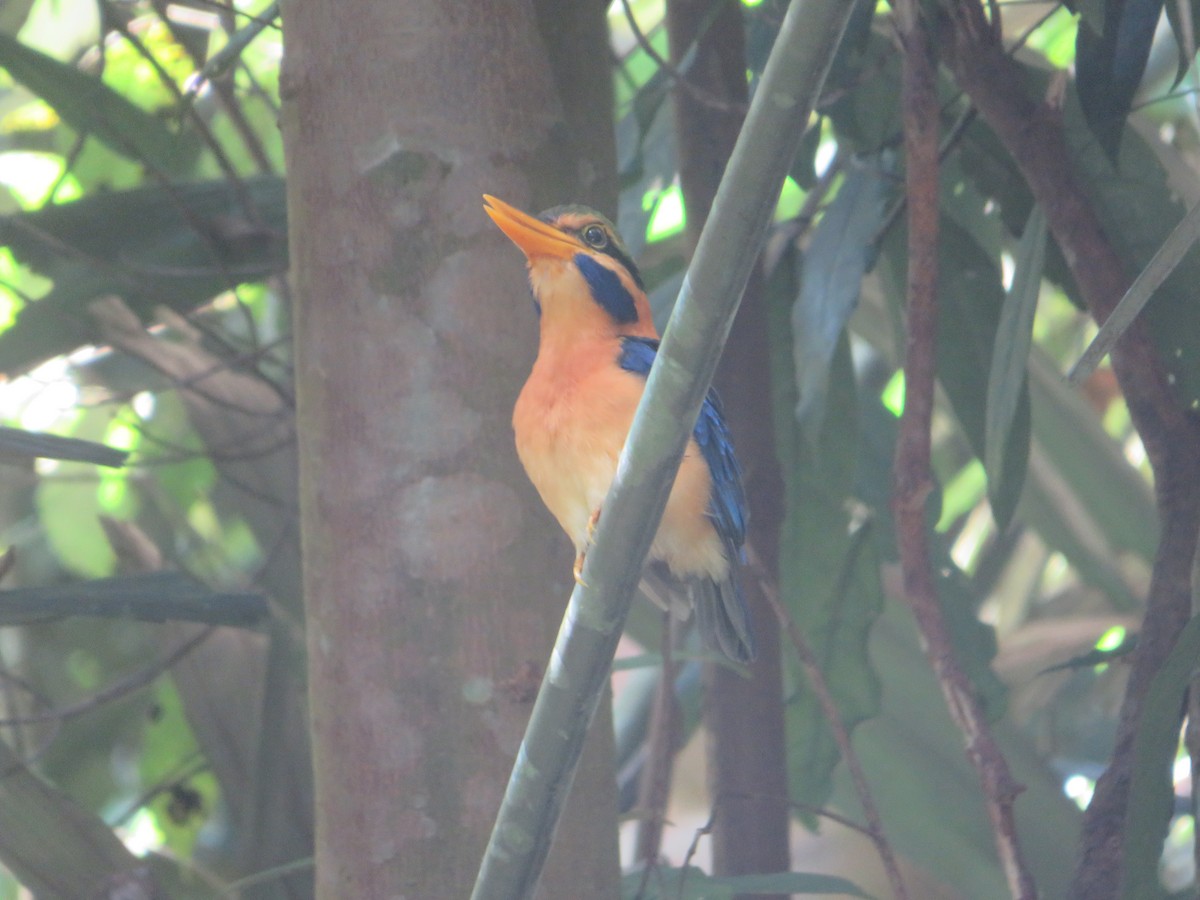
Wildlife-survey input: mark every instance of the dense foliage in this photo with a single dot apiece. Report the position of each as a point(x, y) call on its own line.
point(144, 305)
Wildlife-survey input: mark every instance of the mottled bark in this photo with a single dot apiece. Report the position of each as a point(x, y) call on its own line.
point(434, 579)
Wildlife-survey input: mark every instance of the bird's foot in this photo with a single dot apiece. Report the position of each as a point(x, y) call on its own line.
point(593, 521)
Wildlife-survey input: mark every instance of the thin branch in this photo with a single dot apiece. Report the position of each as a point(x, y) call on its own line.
point(701, 832)
point(121, 688)
point(655, 788)
point(820, 687)
point(913, 480)
point(676, 75)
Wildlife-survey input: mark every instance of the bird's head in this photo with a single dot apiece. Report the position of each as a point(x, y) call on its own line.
point(581, 275)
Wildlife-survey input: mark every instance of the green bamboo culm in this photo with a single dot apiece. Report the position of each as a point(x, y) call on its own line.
point(708, 299)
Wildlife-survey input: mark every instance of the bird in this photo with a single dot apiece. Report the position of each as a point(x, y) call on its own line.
point(597, 342)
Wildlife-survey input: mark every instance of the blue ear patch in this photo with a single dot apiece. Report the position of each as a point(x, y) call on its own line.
point(607, 290)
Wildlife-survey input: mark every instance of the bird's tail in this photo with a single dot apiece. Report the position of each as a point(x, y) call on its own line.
point(722, 617)
point(720, 608)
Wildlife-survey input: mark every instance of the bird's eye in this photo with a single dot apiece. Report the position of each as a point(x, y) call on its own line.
point(595, 236)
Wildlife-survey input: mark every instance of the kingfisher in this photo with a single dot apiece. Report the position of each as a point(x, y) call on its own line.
point(597, 344)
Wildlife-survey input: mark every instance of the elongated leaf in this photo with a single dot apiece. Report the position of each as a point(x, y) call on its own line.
point(1007, 383)
point(970, 297)
point(1185, 40)
point(1152, 791)
point(91, 107)
point(178, 246)
point(829, 578)
point(1139, 209)
point(840, 252)
point(1110, 64)
point(1169, 255)
point(151, 597)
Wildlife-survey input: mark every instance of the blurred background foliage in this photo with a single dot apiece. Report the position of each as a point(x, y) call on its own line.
point(144, 306)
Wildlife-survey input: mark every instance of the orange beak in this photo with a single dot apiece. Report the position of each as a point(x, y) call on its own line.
point(533, 236)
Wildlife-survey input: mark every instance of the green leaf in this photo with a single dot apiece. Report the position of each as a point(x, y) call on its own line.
point(840, 252)
point(177, 246)
point(1151, 794)
point(1185, 42)
point(1169, 255)
point(970, 295)
point(927, 791)
point(69, 512)
point(1110, 64)
point(1139, 210)
point(829, 579)
point(91, 107)
point(1007, 383)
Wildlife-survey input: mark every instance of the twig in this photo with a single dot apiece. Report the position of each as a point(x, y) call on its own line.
point(702, 831)
point(677, 76)
point(913, 480)
point(115, 691)
point(825, 813)
point(820, 687)
point(655, 787)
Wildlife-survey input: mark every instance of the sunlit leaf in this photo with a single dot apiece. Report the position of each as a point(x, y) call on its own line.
point(177, 246)
point(90, 107)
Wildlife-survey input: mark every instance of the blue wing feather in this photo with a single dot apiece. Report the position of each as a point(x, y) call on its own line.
point(727, 502)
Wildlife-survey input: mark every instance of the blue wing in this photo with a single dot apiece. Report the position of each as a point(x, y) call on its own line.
point(727, 502)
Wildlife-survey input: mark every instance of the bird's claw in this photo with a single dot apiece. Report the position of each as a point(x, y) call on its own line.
point(593, 521)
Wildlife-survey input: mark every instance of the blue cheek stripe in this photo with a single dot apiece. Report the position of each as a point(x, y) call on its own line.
point(607, 290)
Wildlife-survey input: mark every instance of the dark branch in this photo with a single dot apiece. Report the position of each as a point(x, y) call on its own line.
point(913, 480)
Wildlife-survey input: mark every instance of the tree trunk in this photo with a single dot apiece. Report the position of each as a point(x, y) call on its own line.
point(748, 777)
point(434, 580)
